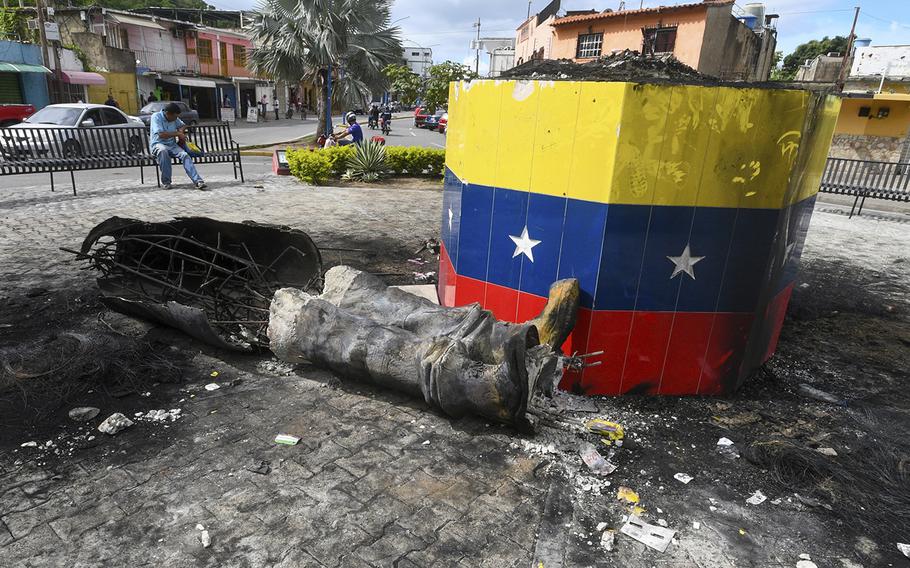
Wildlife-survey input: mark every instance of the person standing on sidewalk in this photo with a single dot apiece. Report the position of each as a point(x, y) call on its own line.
point(167, 131)
point(275, 105)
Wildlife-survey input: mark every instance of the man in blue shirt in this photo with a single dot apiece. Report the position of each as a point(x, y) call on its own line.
point(354, 131)
point(167, 131)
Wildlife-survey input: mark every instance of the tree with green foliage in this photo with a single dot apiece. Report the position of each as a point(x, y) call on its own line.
point(404, 83)
point(809, 50)
point(437, 89)
point(305, 40)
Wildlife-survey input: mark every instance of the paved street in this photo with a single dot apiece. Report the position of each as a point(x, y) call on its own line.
point(284, 130)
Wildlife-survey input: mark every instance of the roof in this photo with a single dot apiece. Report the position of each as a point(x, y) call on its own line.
point(624, 13)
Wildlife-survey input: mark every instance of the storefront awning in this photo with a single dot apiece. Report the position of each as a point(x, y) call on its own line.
point(83, 78)
point(190, 82)
point(136, 21)
point(23, 68)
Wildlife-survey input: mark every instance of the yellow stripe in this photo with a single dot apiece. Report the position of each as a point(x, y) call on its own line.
point(628, 143)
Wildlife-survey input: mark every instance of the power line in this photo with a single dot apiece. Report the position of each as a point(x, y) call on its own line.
point(884, 20)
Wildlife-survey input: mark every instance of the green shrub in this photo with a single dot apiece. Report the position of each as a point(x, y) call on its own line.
point(318, 166)
point(415, 161)
point(367, 162)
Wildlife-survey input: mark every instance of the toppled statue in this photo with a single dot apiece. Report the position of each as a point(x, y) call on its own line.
point(461, 360)
point(246, 286)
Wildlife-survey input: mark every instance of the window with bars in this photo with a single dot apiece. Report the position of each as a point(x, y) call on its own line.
point(659, 40)
point(204, 50)
point(239, 55)
point(589, 45)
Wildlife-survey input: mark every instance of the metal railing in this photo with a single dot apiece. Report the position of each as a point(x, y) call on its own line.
point(167, 62)
point(863, 178)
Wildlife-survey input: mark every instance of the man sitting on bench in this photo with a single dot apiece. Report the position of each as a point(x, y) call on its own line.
point(167, 132)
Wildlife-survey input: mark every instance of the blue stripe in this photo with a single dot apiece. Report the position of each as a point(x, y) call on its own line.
point(620, 253)
point(451, 200)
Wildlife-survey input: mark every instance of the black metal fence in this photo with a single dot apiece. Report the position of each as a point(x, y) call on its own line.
point(862, 179)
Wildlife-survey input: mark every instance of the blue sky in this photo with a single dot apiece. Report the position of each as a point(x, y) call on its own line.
point(446, 25)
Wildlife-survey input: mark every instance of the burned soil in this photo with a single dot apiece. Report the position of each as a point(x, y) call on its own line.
point(624, 66)
point(633, 67)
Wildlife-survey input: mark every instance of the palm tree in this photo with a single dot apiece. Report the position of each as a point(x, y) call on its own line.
point(305, 40)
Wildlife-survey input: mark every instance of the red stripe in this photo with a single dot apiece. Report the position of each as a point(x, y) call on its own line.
point(446, 286)
point(777, 311)
point(667, 353)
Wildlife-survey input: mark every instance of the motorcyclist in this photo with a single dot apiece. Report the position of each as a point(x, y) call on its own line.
point(385, 119)
point(353, 130)
point(374, 116)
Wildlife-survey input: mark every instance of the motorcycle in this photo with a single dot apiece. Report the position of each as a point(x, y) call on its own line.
point(386, 126)
point(373, 123)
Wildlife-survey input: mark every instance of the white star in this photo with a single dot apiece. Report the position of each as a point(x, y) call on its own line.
point(684, 263)
point(450, 218)
point(524, 244)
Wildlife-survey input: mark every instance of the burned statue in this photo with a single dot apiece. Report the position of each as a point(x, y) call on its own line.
point(461, 360)
point(244, 285)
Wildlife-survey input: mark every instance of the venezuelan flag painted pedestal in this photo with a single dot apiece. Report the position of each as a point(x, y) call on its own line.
point(681, 209)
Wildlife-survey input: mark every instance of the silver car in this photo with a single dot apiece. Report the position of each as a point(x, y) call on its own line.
point(187, 115)
point(74, 130)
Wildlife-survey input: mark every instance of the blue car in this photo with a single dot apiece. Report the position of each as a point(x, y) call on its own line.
point(432, 121)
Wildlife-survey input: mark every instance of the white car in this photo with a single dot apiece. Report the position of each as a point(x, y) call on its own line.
point(74, 130)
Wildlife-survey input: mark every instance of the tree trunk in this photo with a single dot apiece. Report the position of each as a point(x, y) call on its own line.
point(320, 112)
point(320, 104)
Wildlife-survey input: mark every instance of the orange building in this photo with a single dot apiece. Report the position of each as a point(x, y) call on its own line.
point(705, 36)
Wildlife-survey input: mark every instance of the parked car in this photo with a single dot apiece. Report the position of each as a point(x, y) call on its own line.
point(11, 114)
point(432, 121)
point(420, 116)
point(71, 130)
point(443, 122)
point(187, 115)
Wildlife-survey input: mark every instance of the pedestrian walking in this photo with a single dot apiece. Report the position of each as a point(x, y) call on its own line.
point(264, 107)
point(111, 101)
point(275, 105)
point(152, 97)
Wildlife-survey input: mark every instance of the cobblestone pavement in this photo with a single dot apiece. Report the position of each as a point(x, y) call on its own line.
point(377, 479)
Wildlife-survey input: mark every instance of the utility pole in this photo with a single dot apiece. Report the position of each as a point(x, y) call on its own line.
point(477, 49)
point(39, 7)
point(842, 74)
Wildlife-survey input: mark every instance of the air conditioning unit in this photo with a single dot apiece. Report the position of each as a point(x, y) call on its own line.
point(179, 33)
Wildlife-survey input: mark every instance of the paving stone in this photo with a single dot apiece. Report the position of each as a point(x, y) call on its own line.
point(359, 490)
point(394, 543)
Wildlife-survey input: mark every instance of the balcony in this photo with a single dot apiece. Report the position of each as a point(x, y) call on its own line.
point(162, 62)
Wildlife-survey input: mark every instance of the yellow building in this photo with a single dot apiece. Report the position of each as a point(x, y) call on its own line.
point(872, 127)
point(122, 86)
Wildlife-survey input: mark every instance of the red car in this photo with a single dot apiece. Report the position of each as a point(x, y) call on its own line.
point(11, 114)
point(443, 123)
point(420, 117)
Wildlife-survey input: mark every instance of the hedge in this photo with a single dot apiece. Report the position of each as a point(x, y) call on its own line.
point(318, 166)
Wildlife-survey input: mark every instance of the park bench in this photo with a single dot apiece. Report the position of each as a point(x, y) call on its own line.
point(60, 150)
point(866, 179)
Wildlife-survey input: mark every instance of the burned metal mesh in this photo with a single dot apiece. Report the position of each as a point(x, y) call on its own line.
point(222, 277)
